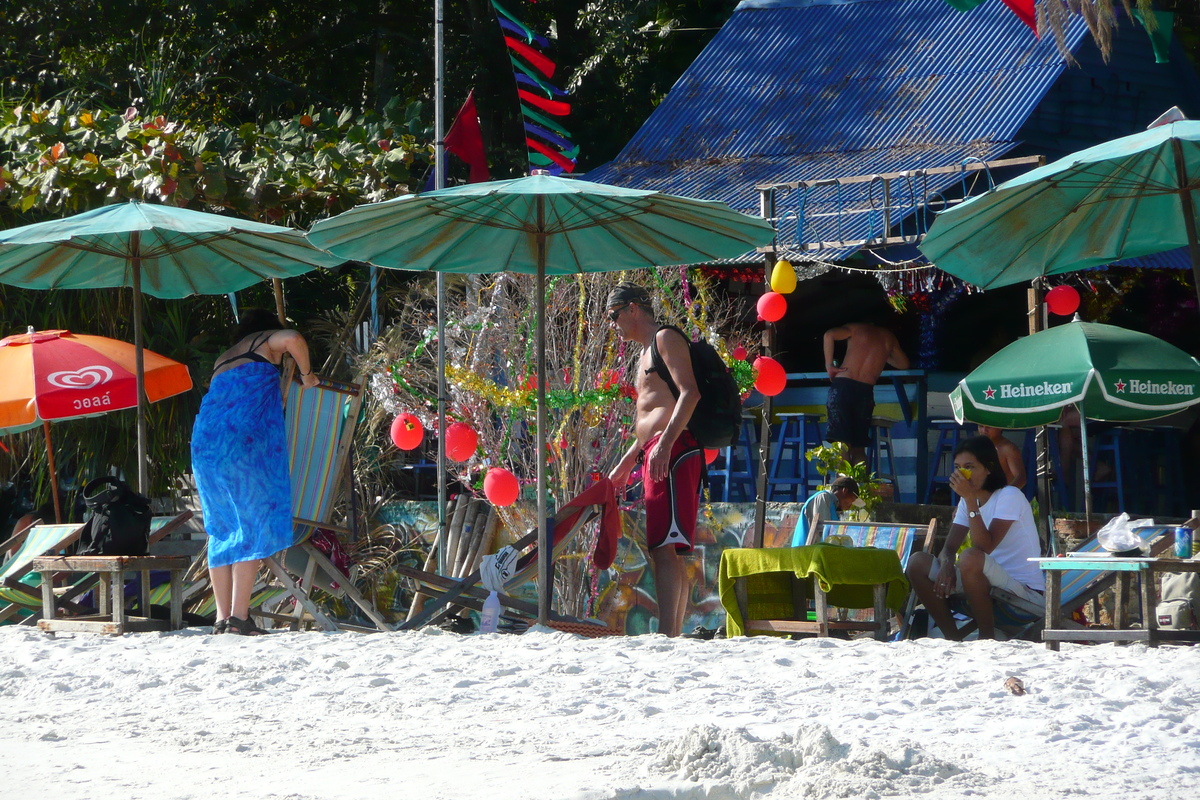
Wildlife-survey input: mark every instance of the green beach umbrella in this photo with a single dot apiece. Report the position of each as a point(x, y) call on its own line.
point(1109, 373)
point(158, 250)
point(539, 225)
point(1132, 196)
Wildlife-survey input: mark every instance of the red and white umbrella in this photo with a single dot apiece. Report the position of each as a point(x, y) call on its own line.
point(58, 375)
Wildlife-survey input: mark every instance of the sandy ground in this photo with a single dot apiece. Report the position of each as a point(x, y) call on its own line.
point(436, 715)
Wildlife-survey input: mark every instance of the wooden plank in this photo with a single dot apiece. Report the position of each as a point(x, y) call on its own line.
point(106, 626)
point(352, 592)
point(1096, 564)
point(822, 607)
point(110, 563)
point(1120, 614)
point(1053, 607)
point(881, 615)
point(1096, 635)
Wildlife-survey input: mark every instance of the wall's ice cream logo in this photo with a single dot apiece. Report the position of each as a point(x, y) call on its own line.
point(1170, 388)
point(83, 378)
point(1010, 391)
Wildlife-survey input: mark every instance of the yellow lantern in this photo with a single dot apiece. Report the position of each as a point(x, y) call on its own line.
point(783, 277)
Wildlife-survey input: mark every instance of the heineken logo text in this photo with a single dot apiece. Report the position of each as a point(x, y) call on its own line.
point(1010, 390)
point(1136, 386)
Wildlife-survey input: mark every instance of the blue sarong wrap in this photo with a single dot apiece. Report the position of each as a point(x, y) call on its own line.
point(240, 461)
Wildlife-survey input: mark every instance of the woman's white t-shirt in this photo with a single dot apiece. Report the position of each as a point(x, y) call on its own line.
point(1020, 544)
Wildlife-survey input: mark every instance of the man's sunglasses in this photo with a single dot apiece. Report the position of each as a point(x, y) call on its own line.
point(613, 313)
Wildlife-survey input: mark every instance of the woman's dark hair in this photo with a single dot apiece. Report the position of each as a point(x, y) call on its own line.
point(982, 448)
point(255, 320)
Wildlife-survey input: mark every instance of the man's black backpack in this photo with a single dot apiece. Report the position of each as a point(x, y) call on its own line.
point(717, 418)
point(120, 521)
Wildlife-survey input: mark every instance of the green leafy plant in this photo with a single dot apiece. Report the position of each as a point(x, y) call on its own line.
point(831, 460)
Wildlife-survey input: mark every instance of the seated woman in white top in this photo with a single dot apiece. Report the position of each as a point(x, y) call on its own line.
point(1003, 538)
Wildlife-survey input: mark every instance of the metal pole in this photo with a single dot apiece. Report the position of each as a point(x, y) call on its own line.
point(135, 246)
point(439, 182)
point(58, 516)
point(1042, 433)
point(545, 546)
point(766, 208)
point(1087, 478)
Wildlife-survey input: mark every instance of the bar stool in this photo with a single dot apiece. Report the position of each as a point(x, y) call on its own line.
point(1057, 479)
point(735, 466)
point(941, 462)
point(881, 444)
point(1114, 448)
point(794, 477)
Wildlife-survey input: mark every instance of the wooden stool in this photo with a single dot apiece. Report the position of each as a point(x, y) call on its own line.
point(111, 592)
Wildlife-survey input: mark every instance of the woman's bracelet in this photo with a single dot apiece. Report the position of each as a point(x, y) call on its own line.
point(304, 374)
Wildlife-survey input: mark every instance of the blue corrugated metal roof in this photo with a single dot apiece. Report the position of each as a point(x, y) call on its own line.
point(812, 89)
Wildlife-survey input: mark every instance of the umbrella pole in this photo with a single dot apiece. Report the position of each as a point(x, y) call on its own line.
point(1189, 212)
point(1087, 477)
point(439, 182)
point(139, 345)
point(58, 517)
point(545, 546)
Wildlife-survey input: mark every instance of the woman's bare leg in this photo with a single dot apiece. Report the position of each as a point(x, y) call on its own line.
point(244, 573)
point(222, 583)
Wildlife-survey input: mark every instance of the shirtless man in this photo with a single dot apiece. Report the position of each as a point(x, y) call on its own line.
point(1010, 456)
point(852, 391)
point(672, 461)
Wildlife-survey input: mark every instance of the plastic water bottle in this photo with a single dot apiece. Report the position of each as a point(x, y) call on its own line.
point(490, 618)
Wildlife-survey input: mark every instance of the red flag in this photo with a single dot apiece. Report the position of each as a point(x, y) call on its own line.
point(1024, 11)
point(465, 140)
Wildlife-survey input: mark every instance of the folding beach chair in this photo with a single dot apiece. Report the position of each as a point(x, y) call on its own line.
point(21, 588)
point(886, 536)
point(320, 430)
point(1019, 618)
point(449, 594)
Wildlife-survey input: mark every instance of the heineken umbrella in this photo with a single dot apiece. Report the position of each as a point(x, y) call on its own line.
point(540, 225)
point(1109, 373)
point(1132, 196)
point(160, 250)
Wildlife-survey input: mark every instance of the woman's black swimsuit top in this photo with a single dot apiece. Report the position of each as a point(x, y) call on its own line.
point(250, 355)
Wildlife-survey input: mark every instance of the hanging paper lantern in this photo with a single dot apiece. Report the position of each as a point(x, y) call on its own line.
point(461, 441)
point(739, 353)
point(771, 377)
point(1062, 300)
point(500, 487)
point(710, 455)
point(783, 278)
point(772, 306)
point(407, 432)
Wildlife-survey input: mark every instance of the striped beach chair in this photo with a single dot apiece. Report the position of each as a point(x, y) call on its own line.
point(320, 425)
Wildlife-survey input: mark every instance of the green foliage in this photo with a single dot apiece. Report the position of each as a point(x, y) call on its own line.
point(831, 460)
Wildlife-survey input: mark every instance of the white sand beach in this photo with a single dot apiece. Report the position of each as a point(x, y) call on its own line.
point(436, 715)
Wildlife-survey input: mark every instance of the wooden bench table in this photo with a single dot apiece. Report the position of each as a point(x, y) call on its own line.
point(110, 593)
point(1125, 568)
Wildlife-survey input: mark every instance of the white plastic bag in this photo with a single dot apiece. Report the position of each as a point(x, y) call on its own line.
point(1118, 534)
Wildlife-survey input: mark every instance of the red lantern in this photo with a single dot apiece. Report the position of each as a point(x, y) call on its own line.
point(461, 441)
point(500, 487)
point(407, 432)
point(771, 377)
point(1062, 300)
point(739, 353)
point(772, 306)
point(710, 455)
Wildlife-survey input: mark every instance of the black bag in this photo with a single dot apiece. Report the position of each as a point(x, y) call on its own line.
point(120, 521)
point(717, 418)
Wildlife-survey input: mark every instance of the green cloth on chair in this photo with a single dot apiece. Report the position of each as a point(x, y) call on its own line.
point(845, 574)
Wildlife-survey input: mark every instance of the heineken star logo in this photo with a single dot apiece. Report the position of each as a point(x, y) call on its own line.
point(1119, 385)
point(989, 393)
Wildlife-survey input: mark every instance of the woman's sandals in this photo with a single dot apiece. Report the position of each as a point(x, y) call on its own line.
point(244, 627)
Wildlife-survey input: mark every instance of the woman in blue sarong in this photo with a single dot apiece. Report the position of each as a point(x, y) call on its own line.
point(240, 461)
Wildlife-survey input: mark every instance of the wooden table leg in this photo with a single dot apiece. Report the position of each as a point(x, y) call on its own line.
point(742, 596)
point(1053, 604)
point(116, 580)
point(1149, 605)
point(145, 582)
point(881, 615)
point(822, 607)
point(48, 595)
point(103, 592)
point(1120, 617)
point(176, 599)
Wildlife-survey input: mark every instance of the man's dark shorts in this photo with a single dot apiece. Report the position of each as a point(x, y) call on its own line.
point(851, 404)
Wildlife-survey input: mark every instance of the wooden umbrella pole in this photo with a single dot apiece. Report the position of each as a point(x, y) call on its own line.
point(58, 517)
point(140, 360)
point(546, 559)
point(280, 308)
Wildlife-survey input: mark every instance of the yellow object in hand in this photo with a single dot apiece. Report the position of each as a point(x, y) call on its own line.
point(965, 472)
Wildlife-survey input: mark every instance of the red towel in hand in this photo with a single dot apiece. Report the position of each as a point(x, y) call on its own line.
point(601, 493)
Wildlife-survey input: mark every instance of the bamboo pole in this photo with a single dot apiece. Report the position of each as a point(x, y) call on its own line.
point(431, 560)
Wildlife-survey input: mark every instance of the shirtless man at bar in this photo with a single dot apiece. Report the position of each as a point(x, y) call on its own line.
point(851, 402)
point(671, 459)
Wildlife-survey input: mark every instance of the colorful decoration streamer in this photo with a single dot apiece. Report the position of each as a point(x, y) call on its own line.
point(549, 143)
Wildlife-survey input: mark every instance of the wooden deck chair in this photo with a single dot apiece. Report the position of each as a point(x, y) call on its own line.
point(21, 588)
point(887, 536)
point(449, 594)
point(320, 425)
point(1019, 617)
